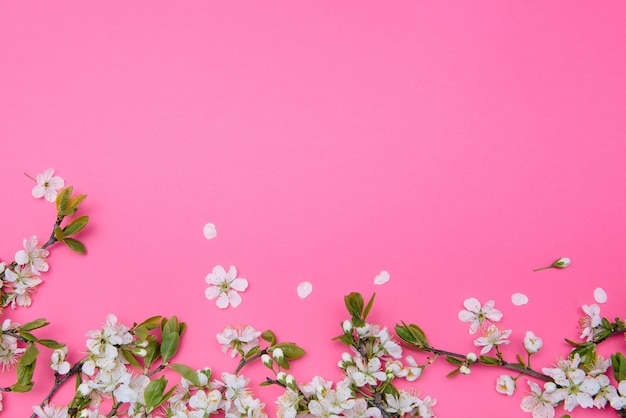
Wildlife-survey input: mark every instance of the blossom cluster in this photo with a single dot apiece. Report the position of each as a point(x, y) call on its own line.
point(580, 380)
point(370, 370)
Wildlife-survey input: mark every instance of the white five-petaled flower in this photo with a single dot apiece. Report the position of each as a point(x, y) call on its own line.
point(532, 343)
point(477, 315)
point(225, 286)
point(492, 336)
point(537, 403)
point(48, 185)
point(240, 338)
point(50, 411)
point(505, 385)
point(32, 255)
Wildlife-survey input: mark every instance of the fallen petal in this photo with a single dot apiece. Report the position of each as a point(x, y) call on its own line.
point(519, 299)
point(382, 278)
point(600, 295)
point(209, 231)
point(304, 289)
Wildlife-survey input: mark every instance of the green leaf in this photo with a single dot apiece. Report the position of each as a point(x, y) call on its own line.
point(187, 372)
point(153, 394)
point(152, 350)
point(30, 355)
point(346, 339)
point(368, 308)
point(618, 362)
point(254, 350)
point(75, 245)
point(391, 389)
point(76, 226)
point(269, 336)
point(454, 360)
point(22, 388)
point(405, 335)
point(489, 361)
point(128, 355)
point(291, 350)
point(75, 201)
point(37, 323)
point(170, 326)
point(141, 332)
point(454, 372)
point(152, 322)
point(25, 373)
point(354, 303)
point(58, 233)
point(521, 360)
point(50, 343)
point(63, 198)
point(169, 345)
point(28, 336)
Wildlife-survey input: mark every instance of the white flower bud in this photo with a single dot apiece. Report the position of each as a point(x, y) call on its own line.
point(290, 381)
point(549, 387)
point(532, 343)
point(281, 376)
point(141, 352)
point(267, 361)
point(465, 370)
point(278, 354)
point(562, 263)
point(142, 344)
point(471, 357)
point(346, 357)
point(347, 326)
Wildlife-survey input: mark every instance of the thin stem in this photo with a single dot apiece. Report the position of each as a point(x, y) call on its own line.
point(114, 409)
point(504, 364)
point(53, 237)
point(59, 380)
point(243, 362)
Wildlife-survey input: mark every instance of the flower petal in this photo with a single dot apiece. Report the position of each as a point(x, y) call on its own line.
point(382, 278)
point(519, 299)
point(235, 299)
point(472, 305)
point(209, 231)
point(222, 301)
point(599, 295)
point(304, 289)
point(239, 284)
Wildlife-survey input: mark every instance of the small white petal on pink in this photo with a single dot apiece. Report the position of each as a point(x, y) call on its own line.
point(304, 289)
point(382, 278)
point(234, 298)
point(239, 284)
point(472, 304)
point(212, 292)
point(599, 295)
point(222, 301)
point(519, 299)
point(209, 231)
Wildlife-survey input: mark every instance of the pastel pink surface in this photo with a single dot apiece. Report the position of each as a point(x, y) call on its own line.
point(456, 146)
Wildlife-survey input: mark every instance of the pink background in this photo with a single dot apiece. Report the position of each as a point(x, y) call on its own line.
point(457, 145)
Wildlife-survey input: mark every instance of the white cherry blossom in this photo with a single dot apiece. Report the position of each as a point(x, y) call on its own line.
point(225, 286)
point(48, 185)
point(477, 315)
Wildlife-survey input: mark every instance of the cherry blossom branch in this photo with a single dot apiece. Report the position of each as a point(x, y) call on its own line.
point(59, 380)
